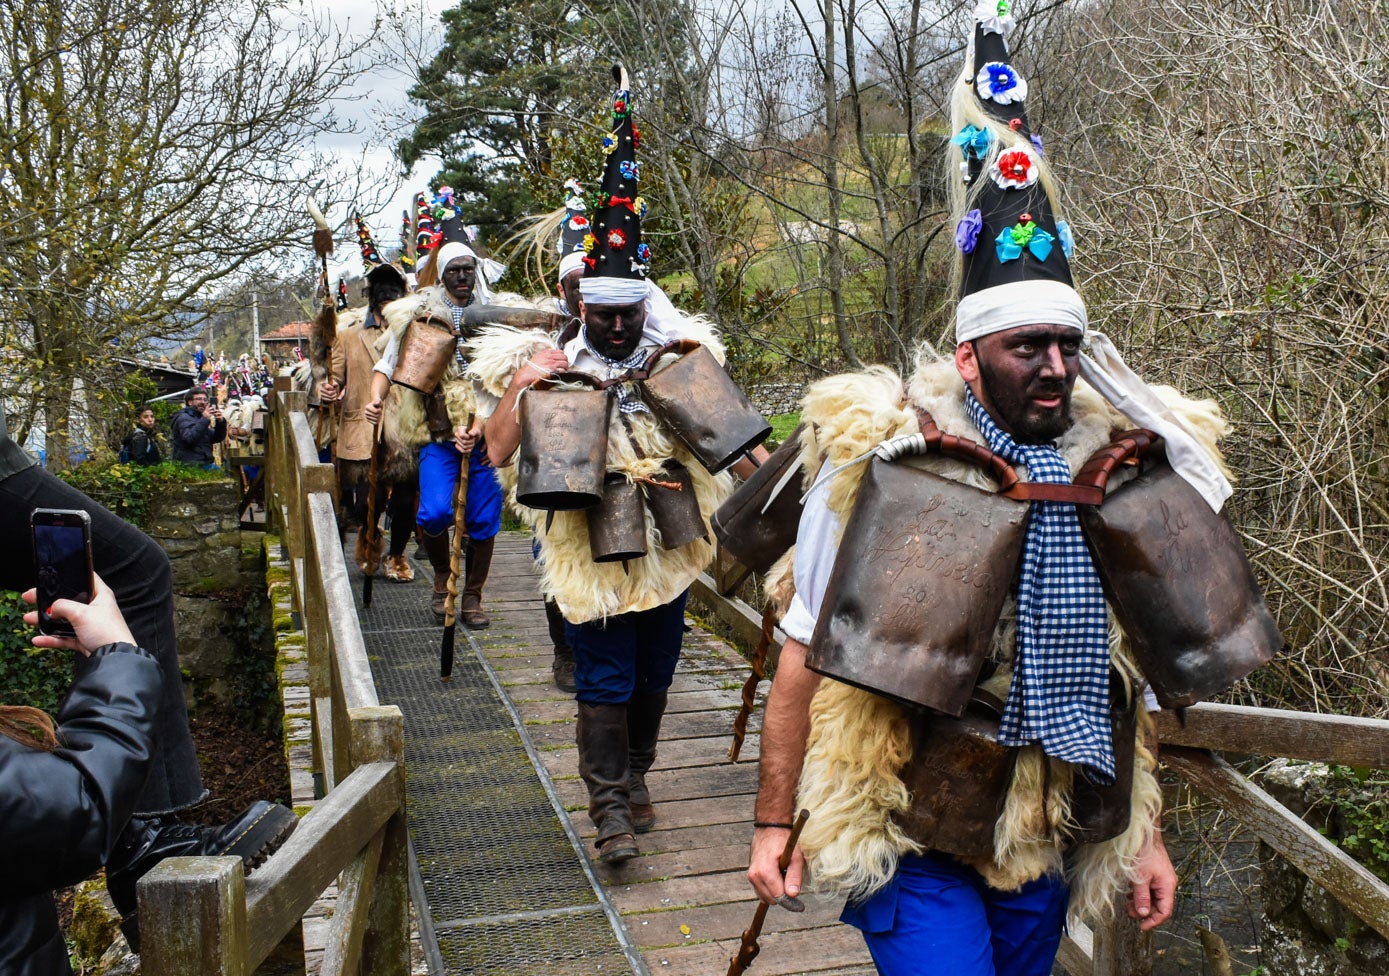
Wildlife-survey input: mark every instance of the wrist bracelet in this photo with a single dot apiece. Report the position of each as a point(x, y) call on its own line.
point(772, 823)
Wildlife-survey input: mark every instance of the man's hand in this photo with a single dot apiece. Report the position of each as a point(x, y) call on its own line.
point(372, 411)
point(465, 438)
point(544, 363)
point(1154, 884)
point(329, 391)
point(763, 870)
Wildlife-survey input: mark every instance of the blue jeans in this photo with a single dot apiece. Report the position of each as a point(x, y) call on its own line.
point(138, 572)
point(938, 916)
point(439, 465)
point(631, 653)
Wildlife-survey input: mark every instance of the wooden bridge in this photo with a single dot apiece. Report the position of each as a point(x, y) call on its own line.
point(495, 854)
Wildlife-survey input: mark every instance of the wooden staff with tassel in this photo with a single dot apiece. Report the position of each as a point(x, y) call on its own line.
point(460, 531)
point(373, 545)
point(749, 949)
point(325, 326)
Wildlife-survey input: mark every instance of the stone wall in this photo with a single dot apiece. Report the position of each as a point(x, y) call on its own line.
point(771, 399)
point(215, 570)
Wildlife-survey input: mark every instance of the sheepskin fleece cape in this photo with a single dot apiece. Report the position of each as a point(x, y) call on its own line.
point(585, 590)
point(859, 742)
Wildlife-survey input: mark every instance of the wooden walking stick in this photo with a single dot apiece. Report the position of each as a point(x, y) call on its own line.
point(748, 951)
point(460, 530)
point(372, 546)
point(759, 671)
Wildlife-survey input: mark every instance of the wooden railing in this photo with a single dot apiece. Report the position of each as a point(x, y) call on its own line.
point(202, 915)
point(1191, 747)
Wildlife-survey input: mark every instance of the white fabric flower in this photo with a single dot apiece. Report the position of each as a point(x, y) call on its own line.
point(994, 16)
point(1014, 169)
point(1000, 83)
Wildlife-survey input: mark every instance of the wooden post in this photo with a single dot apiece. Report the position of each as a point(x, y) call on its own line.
point(378, 735)
point(193, 917)
point(1121, 948)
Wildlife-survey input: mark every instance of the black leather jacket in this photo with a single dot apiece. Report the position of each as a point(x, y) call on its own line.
point(62, 811)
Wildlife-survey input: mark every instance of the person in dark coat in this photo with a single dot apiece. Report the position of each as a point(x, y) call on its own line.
point(196, 428)
point(142, 444)
point(66, 793)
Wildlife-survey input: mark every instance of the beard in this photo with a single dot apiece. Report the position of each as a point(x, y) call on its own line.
point(1029, 422)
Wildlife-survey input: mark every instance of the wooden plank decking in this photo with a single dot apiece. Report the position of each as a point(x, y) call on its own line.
point(686, 900)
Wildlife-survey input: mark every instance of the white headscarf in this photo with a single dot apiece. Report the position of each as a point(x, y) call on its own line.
point(487, 271)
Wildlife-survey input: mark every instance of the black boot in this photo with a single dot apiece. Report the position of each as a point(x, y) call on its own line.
point(436, 547)
point(602, 738)
point(644, 714)
point(563, 665)
point(479, 564)
point(253, 836)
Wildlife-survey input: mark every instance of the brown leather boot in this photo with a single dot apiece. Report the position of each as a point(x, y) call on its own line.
point(602, 739)
point(479, 564)
point(436, 547)
point(644, 713)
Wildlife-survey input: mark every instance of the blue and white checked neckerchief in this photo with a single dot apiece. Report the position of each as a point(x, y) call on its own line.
point(1060, 690)
point(627, 399)
point(457, 312)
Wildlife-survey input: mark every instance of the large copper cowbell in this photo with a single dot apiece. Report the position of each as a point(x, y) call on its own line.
point(920, 579)
point(958, 777)
point(1179, 584)
point(675, 511)
point(702, 406)
point(563, 455)
point(617, 524)
point(426, 348)
point(752, 531)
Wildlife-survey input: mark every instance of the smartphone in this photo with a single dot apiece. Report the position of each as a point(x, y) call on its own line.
point(63, 563)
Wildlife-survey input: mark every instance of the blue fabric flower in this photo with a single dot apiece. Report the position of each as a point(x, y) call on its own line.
point(1037, 143)
point(1063, 234)
point(628, 169)
point(967, 231)
point(999, 83)
point(644, 253)
point(974, 141)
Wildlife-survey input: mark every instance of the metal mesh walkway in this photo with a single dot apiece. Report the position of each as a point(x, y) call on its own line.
point(506, 890)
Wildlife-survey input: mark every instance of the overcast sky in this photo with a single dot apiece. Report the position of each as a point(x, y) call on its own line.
point(382, 112)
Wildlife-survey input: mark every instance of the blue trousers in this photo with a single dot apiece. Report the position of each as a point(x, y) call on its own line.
point(938, 916)
point(439, 464)
point(631, 653)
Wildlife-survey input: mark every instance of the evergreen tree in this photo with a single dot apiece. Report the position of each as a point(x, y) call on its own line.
point(512, 80)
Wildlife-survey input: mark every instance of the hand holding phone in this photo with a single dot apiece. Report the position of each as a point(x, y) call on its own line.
point(62, 563)
point(94, 624)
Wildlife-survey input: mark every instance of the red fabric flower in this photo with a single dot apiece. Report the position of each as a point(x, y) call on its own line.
point(616, 239)
point(1014, 169)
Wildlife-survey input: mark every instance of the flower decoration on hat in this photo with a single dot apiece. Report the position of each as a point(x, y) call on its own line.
point(1024, 234)
point(1000, 83)
point(609, 144)
point(973, 141)
point(967, 231)
point(1064, 238)
point(629, 169)
point(644, 253)
point(640, 208)
point(589, 243)
point(994, 16)
point(620, 108)
point(616, 239)
point(1014, 169)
